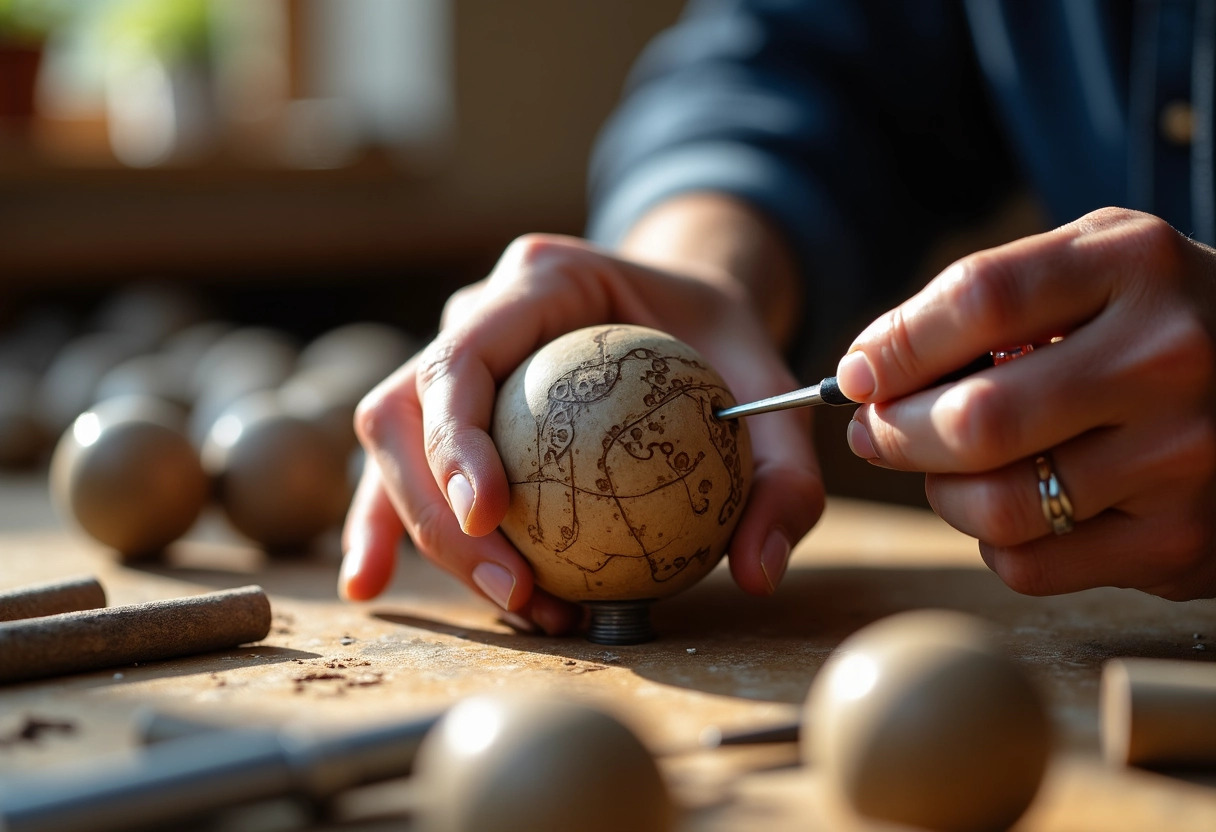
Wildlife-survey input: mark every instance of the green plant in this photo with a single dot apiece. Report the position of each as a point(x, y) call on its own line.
point(28, 21)
point(173, 30)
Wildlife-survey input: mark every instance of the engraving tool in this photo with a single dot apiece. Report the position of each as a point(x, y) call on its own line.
point(825, 392)
point(828, 391)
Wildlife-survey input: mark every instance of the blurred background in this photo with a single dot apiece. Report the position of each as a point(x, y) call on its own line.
point(188, 185)
point(290, 164)
point(373, 152)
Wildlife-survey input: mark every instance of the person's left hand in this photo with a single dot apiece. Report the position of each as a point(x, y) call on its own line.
point(427, 425)
point(1122, 406)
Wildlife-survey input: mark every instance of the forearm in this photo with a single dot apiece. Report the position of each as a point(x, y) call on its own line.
point(724, 241)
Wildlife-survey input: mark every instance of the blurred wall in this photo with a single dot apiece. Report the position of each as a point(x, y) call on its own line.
point(533, 79)
point(532, 82)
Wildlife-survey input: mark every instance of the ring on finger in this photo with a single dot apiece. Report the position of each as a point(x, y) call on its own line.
point(1010, 353)
point(1057, 507)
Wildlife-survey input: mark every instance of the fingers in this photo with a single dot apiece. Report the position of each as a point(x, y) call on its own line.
point(787, 494)
point(1160, 553)
point(1123, 403)
point(985, 302)
point(1140, 494)
point(786, 500)
point(535, 293)
point(1004, 507)
point(1000, 414)
point(390, 425)
point(457, 400)
point(1126, 469)
point(552, 615)
point(370, 538)
point(1155, 541)
point(544, 287)
point(461, 305)
point(1024, 292)
point(1116, 292)
point(435, 415)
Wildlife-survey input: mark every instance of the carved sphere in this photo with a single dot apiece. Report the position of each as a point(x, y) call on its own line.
point(623, 484)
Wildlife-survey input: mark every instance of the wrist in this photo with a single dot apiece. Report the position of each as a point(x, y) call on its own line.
point(725, 242)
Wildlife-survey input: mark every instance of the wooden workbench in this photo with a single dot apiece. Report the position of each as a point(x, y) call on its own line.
point(722, 659)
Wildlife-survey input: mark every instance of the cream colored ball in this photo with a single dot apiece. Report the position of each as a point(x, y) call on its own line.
point(623, 484)
point(537, 764)
point(921, 719)
point(128, 476)
point(281, 480)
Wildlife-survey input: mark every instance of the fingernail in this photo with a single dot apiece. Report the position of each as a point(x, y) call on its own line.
point(774, 558)
point(496, 582)
point(460, 497)
point(855, 376)
point(352, 562)
point(859, 441)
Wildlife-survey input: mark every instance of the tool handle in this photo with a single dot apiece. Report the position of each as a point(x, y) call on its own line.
point(829, 391)
point(165, 785)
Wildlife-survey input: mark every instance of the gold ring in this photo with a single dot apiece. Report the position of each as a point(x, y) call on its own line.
point(1057, 508)
point(1010, 353)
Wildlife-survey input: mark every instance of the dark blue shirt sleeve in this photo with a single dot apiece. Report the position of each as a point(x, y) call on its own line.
point(861, 129)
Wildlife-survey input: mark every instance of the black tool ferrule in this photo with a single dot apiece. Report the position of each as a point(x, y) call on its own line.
point(829, 391)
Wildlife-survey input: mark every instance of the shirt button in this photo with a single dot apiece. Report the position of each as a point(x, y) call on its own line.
point(1177, 122)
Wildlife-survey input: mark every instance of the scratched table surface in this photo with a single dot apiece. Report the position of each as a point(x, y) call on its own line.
point(722, 660)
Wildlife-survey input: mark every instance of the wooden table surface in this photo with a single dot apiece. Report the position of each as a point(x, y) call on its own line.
point(722, 659)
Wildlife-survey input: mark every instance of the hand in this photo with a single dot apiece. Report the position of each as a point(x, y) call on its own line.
point(1124, 403)
point(433, 470)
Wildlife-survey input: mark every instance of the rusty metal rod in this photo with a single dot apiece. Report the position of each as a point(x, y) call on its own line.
point(51, 598)
point(74, 642)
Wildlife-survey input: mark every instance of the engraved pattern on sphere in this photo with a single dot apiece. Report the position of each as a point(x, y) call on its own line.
point(629, 488)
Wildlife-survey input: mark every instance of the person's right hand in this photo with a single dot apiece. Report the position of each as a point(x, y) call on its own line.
point(433, 471)
point(1122, 405)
